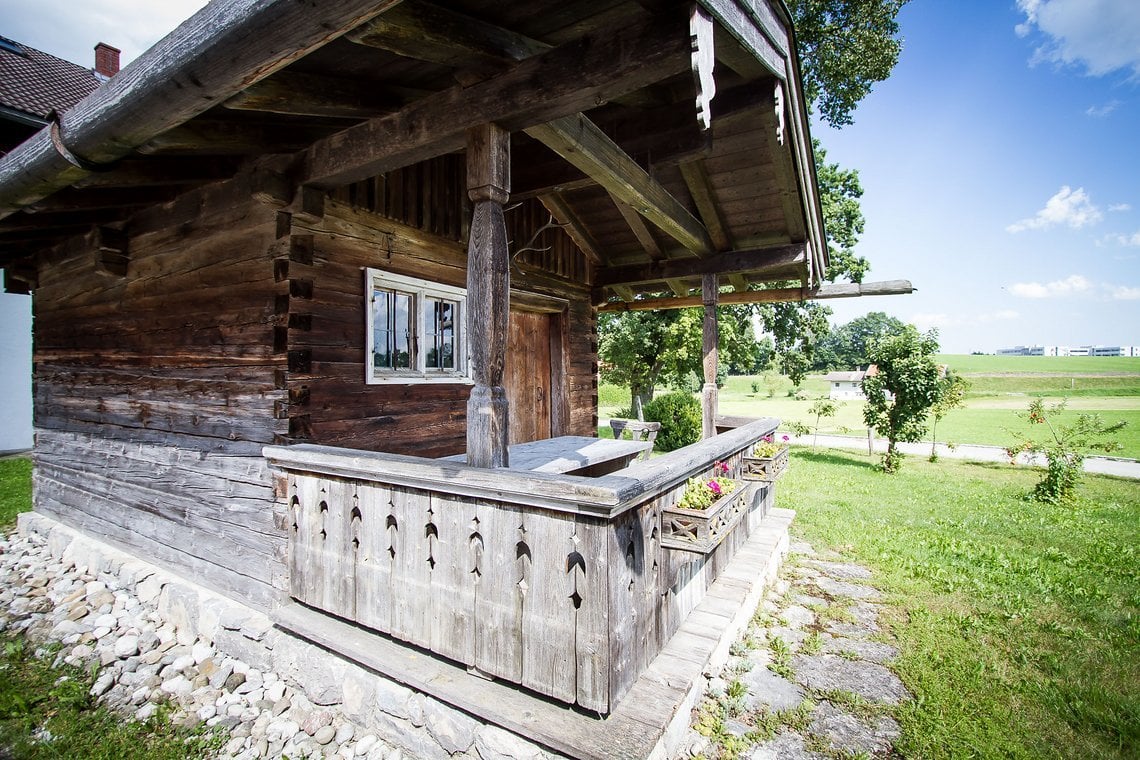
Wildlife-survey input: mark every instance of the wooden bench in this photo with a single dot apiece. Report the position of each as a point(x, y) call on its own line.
point(638, 431)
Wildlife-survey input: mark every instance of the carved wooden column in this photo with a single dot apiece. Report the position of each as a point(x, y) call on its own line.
point(488, 294)
point(709, 293)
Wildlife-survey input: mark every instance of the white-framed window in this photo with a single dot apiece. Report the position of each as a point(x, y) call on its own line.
point(416, 330)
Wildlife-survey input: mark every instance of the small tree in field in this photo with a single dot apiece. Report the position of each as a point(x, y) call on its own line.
point(823, 407)
point(901, 392)
point(1065, 448)
point(952, 391)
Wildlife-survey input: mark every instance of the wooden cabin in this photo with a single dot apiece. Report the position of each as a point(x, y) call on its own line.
point(315, 293)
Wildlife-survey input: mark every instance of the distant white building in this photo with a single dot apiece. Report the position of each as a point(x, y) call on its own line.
point(845, 386)
point(1070, 351)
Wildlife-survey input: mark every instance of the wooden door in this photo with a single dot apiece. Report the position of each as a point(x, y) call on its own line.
point(527, 377)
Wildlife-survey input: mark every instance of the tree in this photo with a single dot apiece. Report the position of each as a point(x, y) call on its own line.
point(1064, 448)
point(643, 350)
point(952, 391)
point(847, 346)
point(845, 47)
point(823, 407)
point(902, 390)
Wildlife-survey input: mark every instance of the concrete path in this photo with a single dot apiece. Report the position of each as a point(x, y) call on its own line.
point(1122, 468)
point(810, 677)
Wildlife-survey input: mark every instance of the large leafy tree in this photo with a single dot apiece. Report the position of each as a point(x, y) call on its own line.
point(902, 391)
point(643, 350)
point(848, 346)
point(845, 47)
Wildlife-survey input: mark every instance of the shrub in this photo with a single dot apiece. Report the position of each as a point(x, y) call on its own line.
point(680, 418)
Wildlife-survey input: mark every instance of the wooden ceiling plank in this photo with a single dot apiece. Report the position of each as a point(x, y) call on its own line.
point(704, 197)
point(776, 295)
point(563, 81)
point(583, 144)
point(777, 259)
point(556, 204)
point(639, 228)
point(304, 94)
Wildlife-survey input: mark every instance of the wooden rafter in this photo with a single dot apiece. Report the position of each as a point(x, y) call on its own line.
point(783, 260)
point(563, 81)
point(427, 32)
point(556, 204)
point(640, 230)
point(776, 295)
point(704, 197)
point(583, 144)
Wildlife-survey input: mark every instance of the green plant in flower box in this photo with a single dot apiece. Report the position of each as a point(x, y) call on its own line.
point(702, 493)
point(768, 447)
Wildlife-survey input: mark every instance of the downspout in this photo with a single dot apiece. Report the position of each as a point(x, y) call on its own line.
point(216, 53)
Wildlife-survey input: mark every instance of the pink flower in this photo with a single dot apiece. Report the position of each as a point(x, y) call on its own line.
point(786, 438)
point(720, 468)
point(714, 487)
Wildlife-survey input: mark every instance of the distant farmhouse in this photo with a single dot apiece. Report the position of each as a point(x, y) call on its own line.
point(34, 85)
point(846, 386)
point(1070, 351)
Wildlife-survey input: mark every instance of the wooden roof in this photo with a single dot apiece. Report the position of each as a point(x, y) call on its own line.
point(602, 98)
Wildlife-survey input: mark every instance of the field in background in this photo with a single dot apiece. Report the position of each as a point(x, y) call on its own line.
point(1001, 387)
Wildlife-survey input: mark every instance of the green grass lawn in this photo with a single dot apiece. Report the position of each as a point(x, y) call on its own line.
point(15, 489)
point(1018, 623)
point(1002, 386)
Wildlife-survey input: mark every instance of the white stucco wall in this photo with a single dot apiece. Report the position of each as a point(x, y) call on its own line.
point(15, 371)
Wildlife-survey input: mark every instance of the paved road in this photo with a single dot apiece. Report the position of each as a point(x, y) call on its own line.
point(1122, 468)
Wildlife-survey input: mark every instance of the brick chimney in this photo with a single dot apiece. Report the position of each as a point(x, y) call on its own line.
point(106, 60)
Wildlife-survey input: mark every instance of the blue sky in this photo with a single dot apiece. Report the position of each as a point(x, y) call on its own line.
point(1001, 172)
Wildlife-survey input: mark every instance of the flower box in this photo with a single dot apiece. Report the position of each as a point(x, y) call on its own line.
point(700, 530)
point(765, 468)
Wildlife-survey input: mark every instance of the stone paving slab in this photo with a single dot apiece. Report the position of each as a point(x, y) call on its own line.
point(825, 612)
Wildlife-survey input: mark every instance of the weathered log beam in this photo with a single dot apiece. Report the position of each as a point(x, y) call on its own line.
point(785, 258)
point(583, 144)
point(776, 295)
point(568, 79)
point(303, 94)
point(639, 229)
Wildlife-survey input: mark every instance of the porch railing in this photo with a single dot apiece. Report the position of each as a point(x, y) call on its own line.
point(559, 583)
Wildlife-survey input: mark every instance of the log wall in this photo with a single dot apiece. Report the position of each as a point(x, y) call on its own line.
point(155, 390)
point(328, 400)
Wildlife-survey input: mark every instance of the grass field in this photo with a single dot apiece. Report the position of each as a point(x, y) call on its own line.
point(1001, 387)
point(1018, 623)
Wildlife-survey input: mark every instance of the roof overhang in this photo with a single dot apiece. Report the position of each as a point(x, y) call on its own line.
point(668, 143)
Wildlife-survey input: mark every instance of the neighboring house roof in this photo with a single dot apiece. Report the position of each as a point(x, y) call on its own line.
point(844, 377)
point(36, 83)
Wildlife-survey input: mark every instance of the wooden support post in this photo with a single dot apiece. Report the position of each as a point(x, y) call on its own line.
point(709, 294)
point(488, 294)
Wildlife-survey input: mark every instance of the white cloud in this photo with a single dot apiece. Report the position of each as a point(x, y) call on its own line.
point(1072, 284)
point(1101, 35)
point(1124, 293)
point(1120, 207)
point(1099, 112)
point(1128, 241)
point(1069, 207)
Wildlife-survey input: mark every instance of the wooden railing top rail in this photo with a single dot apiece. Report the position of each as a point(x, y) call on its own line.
point(605, 497)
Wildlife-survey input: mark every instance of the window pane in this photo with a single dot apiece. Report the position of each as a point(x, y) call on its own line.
point(440, 338)
point(391, 330)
